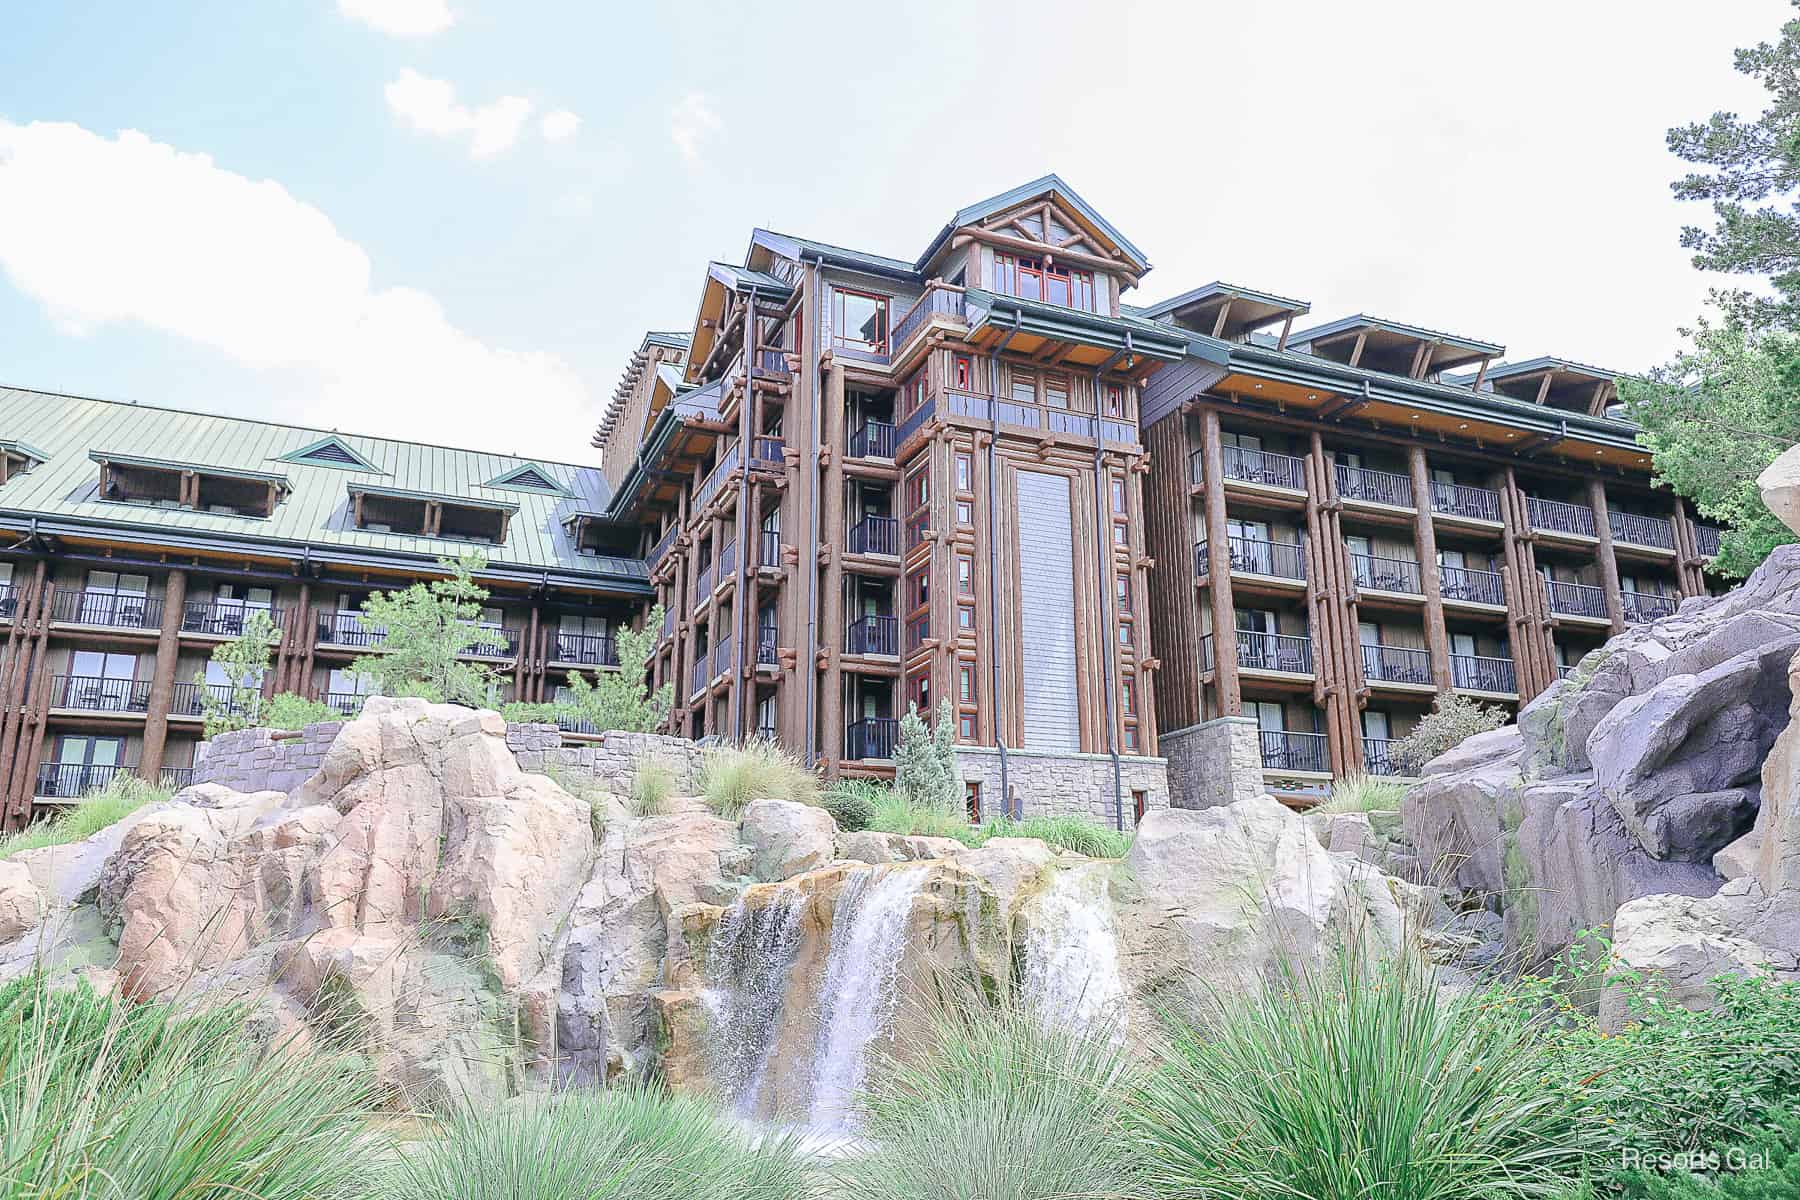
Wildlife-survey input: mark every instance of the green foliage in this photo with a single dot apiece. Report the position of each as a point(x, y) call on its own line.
point(996, 1105)
point(895, 813)
point(1363, 793)
point(731, 777)
point(622, 699)
point(1075, 834)
point(292, 711)
point(1767, 1169)
point(123, 794)
point(852, 802)
point(104, 1099)
point(424, 629)
point(625, 1143)
point(521, 712)
point(244, 660)
point(652, 787)
point(1714, 418)
point(925, 760)
point(1453, 719)
point(1352, 1083)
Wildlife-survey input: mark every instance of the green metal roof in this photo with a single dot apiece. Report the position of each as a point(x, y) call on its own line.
point(166, 464)
point(1362, 321)
point(14, 446)
point(1151, 338)
point(1216, 288)
point(64, 492)
point(792, 247)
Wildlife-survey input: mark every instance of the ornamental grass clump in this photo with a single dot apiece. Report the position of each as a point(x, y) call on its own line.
point(627, 1143)
point(997, 1105)
point(732, 776)
point(123, 795)
point(1356, 1082)
point(1363, 793)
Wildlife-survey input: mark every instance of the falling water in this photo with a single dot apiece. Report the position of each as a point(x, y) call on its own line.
point(1072, 977)
point(859, 996)
point(748, 959)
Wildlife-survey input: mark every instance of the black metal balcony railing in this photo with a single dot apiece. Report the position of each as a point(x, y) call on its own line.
point(871, 737)
point(226, 618)
point(728, 462)
point(1461, 500)
point(9, 601)
point(767, 652)
point(1640, 530)
point(497, 642)
point(1576, 599)
point(72, 781)
point(702, 672)
point(1564, 670)
point(1283, 751)
point(348, 629)
point(1378, 757)
point(875, 634)
point(1387, 574)
point(114, 610)
point(569, 723)
point(1476, 673)
point(1374, 487)
point(703, 582)
point(1706, 539)
point(1274, 652)
point(722, 656)
point(176, 778)
point(872, 439)
point(1642, 607)
point(589, 649)
point(1265, 467)
point(347, 703)
point(1472, 586)
point(1557, 516)
point(663, 543)
point(189, 699)
point(875, 535)
point(92, 693)
point(766, 452)
point(668, 626)
point(1396, 664)
point(768, 548)
point(727, 561)
point(1283, 560)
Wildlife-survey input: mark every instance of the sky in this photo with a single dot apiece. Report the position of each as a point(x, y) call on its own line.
point(453, 220)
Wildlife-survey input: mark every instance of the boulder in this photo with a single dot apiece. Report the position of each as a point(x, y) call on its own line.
point(786, 838)
point(1780, 487)
point(868, 846)
point(21, 903)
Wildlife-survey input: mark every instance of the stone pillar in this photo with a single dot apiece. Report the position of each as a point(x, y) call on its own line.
point(162, 684)
point(1431, 576)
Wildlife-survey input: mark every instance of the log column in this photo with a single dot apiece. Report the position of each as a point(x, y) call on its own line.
point(832, 544)
point(1690, 573)
point(25, 645)
point(162, 683)
point(1218, 568)
point(1527, 604)
point(1609, 563)
point(1338, 684)
point(1431, 575)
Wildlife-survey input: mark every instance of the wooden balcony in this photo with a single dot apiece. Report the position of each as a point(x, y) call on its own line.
point(871, 738)
point(94, 694)
point(1643, 607)
point(73, 781)
point(1378, 757)
point(1461, 500)
point(1254, 556)
point(878, 634)
point(872, 439)
point(224, 618)
point(108, 610)
point(874, 535)
point(1655, 532)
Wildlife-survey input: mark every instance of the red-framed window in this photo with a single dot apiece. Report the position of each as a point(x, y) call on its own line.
point(1123, 591)
point(965, 616)
point(1129, 686)
point(912, 393)
point(918, 589)
point(962, 372)
point(1032, 278)
point(1115, 400)
point(965, 574)
point(972, 800)
point(1119, 494)
point(859, 320)
point(918, 691)
point(965, 472)
point(965, 683)
point(965, 513)
point(918, 489)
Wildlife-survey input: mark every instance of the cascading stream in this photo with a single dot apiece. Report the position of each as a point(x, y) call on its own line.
point(749, 959)
point(859, 996)
point(1072, 977)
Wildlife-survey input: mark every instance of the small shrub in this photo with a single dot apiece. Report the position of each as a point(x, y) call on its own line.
point(1767, 1169)
point(520, 712)
point(731, 777)
point(626, 1143)
point(894, 813)
point(1363, 793)
point(996, 1104)
point(925, 759)
point(1453, 719)
point(123, 795)
point(1063, 832)
point(291, 711)
point(652, 788)
point(852, 802)
point(1353, 1083)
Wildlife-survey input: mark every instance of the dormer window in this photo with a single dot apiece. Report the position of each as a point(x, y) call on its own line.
point(1033, 278)
point(593, 534)
point(425, 514)
point(16, 458)
point(222, 491)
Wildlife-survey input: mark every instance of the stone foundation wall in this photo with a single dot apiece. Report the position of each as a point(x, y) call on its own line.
point(1215, 762)
point(1064, 784)
point(259, 760)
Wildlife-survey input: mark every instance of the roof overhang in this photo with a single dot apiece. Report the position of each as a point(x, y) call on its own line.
point(392, 493)
point(1393, 338)
point(1226, 310)
point(108, 458)
point(1090, 338)
point(1046, 186)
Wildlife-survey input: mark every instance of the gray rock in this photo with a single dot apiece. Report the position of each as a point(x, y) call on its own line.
point(786, 838)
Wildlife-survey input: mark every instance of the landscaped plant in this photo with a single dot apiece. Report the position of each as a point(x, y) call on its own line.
point(244, 660)
point(1076, 834)
point(925, 760)
point(626, 1143)
point(994, 1104)
point(1354, 1082)
point(1453, 719)
point(423, 631)
point(1363, 793)
point(287, 710)
point(852, 802)
point(731, 777)
point(652, 788)
point(123, 794)
point(622, 699)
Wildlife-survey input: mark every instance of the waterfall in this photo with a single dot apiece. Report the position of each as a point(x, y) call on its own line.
point(748, 960)
point(1072, 977)
point(857, 1002)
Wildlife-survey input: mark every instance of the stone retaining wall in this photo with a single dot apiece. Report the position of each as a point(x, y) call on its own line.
point(258, 760)
point(1065, 784)
point(1215, 762)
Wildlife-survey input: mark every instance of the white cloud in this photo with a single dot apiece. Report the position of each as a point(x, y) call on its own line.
point(402, 18)
point(693, 122)
point(430, 106)
point(558, 125)
point(128, 231)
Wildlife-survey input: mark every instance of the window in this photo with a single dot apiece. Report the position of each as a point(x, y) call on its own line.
point(1131, 737)
point(860, 321)
point(1123, 585)
point(965, 575)
point(1129, 693)
point(1121, 534)
point(919, 587)
point(1115, 400)
point(965, 683)
point(918, 691)
point(972, 800)
point(1118, 495)
point(1140, 803)
point(965, 616)
point(918, 488)
point(965, 513)
point(1022, 386)
point(965, 472)
point(1125, 635)
point(1033, 278)
point(962, 372)
point(1056, 390)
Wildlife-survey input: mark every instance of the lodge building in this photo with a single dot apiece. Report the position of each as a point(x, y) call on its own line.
point(1130, 545)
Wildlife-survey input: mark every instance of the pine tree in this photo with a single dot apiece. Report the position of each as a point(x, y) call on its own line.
point(622, 699)
point(925, 760)
point(425, 629)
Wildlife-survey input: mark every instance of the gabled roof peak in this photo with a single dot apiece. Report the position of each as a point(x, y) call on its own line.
point(330, 451)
